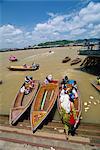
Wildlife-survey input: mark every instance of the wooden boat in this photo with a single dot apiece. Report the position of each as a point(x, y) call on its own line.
point(97, 86)
point(13, 58)
point(43, 104)
point(66, 59)
point(22, 102)
point(75, 61)
point(24, 68)
point(77, 104)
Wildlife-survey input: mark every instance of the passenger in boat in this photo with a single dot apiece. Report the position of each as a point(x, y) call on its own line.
point(71, 82)
point(75, 85)
point(72, 97)
point(48, 79)
point(29, 81)
point(33, 65)
point(65, 101)
point(22, 89)
point(25, 66)
point(98, 80)
point(73, 94)
point(27, 90)
point(64, 80)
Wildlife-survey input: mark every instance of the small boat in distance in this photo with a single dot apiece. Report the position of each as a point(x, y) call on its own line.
point(97, 86)
point(70, 111)
point(13, 58)
point(24, 68)
point(22, 102)
point(66, 59)
point(75, 61)
point(43, 104)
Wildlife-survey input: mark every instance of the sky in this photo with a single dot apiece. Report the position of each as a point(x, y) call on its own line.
point(29, 22)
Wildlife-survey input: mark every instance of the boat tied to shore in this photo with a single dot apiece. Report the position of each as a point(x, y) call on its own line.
point(43, 104)
point(23, 100)
point(66, 59)
point(24, 67)
point(69, 110)
point(75, 61)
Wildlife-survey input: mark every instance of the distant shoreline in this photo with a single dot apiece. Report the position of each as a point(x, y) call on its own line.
point(23, 49)
point(54, 44)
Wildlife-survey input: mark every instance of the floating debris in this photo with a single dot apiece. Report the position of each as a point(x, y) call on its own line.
point(85, 103)
point(55, 128)
point(89, 102)
point(94, 103)
point(85, 110)
point(91, 97)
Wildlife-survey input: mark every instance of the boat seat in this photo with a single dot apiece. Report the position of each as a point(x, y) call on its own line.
point(18, 107)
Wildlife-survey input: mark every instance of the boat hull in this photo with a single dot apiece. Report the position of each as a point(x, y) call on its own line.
point(96, 86)
point(78, 108)
point(21, 103)
point(76, 61)
point(43, 104)
point(22, 68)
point(66, 59)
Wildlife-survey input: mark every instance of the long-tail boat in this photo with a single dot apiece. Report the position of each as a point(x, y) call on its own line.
point(43, 104)
point(75, 61)
point(22, 102)
point(66, 59)
point(70, 119)
point(24, 68)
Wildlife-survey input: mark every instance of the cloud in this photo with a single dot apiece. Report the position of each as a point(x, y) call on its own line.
point(11, 36)
point(84, 23)
point(78, 25)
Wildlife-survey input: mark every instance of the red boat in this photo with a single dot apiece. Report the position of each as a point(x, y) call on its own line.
point(13, 58)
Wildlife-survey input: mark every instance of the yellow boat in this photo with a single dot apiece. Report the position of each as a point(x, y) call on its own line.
point(24, 68)
point(43, 104)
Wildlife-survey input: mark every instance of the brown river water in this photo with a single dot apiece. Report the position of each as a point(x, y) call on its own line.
point(50, 63)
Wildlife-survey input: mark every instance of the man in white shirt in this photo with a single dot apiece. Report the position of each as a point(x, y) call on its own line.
point(65, 102)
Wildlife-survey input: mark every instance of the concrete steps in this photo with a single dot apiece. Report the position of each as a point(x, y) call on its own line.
point(44, 139)
point(86, 133)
